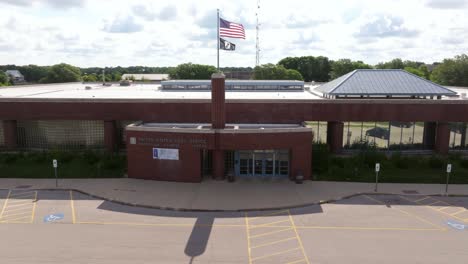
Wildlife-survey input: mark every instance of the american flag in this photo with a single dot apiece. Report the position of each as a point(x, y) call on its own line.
point(231, 30)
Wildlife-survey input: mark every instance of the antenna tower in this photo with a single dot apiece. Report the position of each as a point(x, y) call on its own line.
point(257, 46)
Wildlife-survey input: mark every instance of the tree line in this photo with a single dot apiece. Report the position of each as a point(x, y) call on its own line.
point(451, 72)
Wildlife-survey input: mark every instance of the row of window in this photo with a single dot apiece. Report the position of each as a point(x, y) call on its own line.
point(389, 135)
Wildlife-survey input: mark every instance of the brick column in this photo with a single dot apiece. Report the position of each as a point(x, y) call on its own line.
point(442, 139)
point(218, 121)
point(335, 136)
point(110, 135)
point(10, 134)
point(429, 135)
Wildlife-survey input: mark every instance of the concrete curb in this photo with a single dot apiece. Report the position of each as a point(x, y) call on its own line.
point(332, 200)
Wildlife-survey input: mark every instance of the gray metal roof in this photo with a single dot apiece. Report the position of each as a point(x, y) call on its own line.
point(14, 73)
point(383, 82)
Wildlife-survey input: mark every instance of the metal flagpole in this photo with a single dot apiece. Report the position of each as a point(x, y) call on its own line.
point(218, 38)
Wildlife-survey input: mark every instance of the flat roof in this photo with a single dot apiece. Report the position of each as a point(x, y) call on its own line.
point(136, 91)
point(154, 92)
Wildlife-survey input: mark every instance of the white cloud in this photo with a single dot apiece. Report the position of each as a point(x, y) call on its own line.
point(168, 33)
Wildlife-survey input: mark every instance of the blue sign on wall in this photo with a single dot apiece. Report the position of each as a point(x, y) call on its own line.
point(53, 218)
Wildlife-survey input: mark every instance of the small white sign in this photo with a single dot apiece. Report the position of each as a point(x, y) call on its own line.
point(377, 167)
point(165, 154)
point(54, 162)
point(449, 168)
point(132, 140)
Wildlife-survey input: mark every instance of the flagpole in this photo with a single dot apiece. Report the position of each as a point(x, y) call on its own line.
point(218, 38)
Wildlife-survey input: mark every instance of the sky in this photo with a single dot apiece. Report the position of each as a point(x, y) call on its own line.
point(90, 33)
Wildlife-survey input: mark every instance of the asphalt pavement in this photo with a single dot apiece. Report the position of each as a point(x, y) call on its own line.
point(40, 226)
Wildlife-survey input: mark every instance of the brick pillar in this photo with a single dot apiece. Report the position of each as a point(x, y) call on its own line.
point(335, 136)
point(10, 134)
point(110, 135)
point(442, 139)
point(218, 121)
point(218, 114)
point(429, 135)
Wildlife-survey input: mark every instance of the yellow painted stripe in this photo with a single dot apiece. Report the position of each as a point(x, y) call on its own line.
point(153, 224)
point(274, 242)
point(14, 219)
point(459, 212)
point(19, 205)
point(34, 208)
point(275, 254)
point(370, 228)
point(298, 238)
point(267, 224)
point(248, 238)
point(4, 205)
point(297, 261)
point(10, 215)
point(272, 232)
point(442, 212)
point(420, 200)
point(72, 204)
point(405, 212)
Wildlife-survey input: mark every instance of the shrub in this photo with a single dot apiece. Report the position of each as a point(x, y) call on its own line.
point(91, 157)
point(320, 158)
point(401, 162)
point(436, 162)
point(9, 158)
point(464, 163)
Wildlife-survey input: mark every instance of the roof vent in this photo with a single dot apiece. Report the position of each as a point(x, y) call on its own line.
point(88, 88)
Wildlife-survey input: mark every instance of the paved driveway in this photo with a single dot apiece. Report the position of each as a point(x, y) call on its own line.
point(70, 227)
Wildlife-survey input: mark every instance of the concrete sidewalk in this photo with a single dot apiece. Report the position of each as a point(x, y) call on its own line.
point(221, 195)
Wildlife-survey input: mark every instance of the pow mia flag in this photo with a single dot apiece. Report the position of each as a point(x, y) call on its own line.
point(226, 45)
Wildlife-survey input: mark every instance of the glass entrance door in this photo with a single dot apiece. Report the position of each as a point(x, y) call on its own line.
point(261, 163)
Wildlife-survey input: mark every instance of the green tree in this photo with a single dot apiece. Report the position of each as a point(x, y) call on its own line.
point(62, 73)
point(344, 66)
point(415, 71)
point(427, 74)
point(3, 78)
point(311, 68)
point(33, 73)
point(275, 72)
point(453, 72)
point(189, 71)
point(90, 78)
point(399, 64)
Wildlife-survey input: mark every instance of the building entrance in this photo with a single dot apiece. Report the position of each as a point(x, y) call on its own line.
point(262, 163)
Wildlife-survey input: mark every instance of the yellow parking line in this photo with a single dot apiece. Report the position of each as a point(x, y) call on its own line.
point(459, 212)
point(298, 237)
point(8, 210)
point(34, 208)
point(419, 200)
point(72, 204)
point(14, 219)
point(297, 261)
point(268, 224)
point(432, 204)
point(272, 232)
point(405, 212)
point(442, 212)
point(270, 214)
point(248, 238)
point(275, 254)
point(370, 228)
point(274, 242)
point(444, 208)
point(10, 215)
point(4, 205)
point(19, 205)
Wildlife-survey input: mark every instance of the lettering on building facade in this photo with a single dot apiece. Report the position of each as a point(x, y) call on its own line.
point(172, 142)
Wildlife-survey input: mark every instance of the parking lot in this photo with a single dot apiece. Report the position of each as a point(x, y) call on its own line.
point(66, 226)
